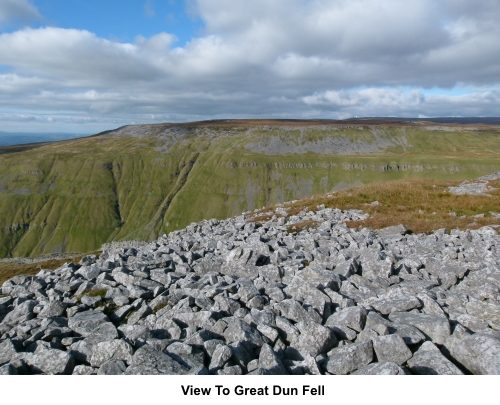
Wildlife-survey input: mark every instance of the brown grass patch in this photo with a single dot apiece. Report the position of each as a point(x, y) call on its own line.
point(11, 269)
point(300, 226)
point(264, 217)
point(421, 205)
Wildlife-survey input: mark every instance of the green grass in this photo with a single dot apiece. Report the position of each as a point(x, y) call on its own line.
point(75, 195)
point(160, 307)
point(97, 293)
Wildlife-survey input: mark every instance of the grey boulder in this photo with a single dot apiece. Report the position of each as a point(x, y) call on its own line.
point(381, 368)
point(391, 348)
point(111, 350)
point(7, 351)
point(149, 361)
point(478, 353)
point(269, 362)
point(428, 360)
point(352, 317)
point(112, 367)
point(240, 331)
point(85, 322)
point(221, 355)
point(52, 361)
point(398, 304)
point(435, 326)
point(20, 314)
point(54, 308)
point(292, 310)
point(488, 312)
point(346, 359)
point(83, 370)
point(314, 338)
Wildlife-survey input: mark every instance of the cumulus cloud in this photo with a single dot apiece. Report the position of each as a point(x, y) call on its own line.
point(12, 10)
point(285, 58)
point(409, 103)
point(385, 98)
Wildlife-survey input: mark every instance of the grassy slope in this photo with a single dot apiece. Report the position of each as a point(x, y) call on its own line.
point(75, 195)
point(421, 205)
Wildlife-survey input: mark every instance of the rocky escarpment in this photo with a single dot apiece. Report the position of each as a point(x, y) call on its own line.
point(233, 297)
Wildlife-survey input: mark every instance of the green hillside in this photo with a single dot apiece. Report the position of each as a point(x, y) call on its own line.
point(141, 181)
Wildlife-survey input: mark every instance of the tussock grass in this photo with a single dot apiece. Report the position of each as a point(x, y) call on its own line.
point(421, 205)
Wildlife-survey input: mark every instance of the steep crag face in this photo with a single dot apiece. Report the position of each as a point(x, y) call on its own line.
point(141, 181)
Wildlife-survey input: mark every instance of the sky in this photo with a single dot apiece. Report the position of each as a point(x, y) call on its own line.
point(86, 66)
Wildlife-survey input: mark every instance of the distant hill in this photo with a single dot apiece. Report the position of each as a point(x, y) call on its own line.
point(20, 138)
point(440, 120)
point(464, 120)
point(140, 181)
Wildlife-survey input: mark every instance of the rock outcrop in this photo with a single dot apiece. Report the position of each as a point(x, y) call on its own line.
point(475, 187)
point(237, 297)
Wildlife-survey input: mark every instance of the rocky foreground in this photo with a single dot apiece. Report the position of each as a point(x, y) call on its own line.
point(233, 297)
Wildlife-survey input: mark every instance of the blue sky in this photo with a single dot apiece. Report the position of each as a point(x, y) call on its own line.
point(88, 66)
point(120, 20)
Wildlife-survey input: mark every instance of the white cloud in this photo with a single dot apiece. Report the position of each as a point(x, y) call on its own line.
point(11, 83)
point(397, 102)
point(293, 58)
point(11, 10)
point(375, 97)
